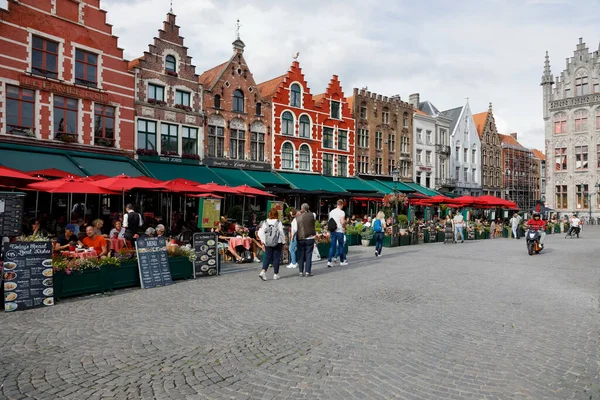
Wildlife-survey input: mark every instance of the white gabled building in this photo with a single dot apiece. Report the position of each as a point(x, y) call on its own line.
point(465, 148)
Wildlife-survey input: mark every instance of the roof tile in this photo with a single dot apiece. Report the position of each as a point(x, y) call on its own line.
point(267, 89)
point(538, 154)
point(480, 120)
point(209, 77)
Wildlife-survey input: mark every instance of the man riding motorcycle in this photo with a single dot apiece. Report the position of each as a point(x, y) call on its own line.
point(538, 224)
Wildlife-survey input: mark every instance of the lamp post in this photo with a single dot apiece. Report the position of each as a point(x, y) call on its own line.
point(396, 177)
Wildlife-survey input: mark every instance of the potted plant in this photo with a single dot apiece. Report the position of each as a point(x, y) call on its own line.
point(441, 236)
point(366, 236)
point(323, 242)
point(353, 235)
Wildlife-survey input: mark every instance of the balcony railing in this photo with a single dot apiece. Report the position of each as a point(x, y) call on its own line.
point(24, 131)
point(585, 100)
point(105, 142)
point(445, 182)
point(442, 149)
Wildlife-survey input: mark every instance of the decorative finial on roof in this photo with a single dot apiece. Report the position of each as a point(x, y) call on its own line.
point(490, 108)
point(237, 29)
point(547, 77)
point(296, 56)
point(171, 10)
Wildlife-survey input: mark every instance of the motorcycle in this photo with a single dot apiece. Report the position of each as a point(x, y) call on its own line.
point(533, 241)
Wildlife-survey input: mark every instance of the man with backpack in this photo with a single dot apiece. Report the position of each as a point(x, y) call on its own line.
point(272, 236)
point(336, 226)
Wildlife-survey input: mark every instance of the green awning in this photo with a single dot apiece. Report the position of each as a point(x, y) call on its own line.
point(197, 173)
point(354, 185)
point(235, 177)
point(422, 189)
point(390, 186)
point(267, 178)
point(311, 182)
point(29, 159)
point(111, 167)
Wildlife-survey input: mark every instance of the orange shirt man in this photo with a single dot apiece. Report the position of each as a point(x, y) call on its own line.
point(97, 242)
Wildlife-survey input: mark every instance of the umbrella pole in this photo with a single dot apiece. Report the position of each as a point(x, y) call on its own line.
point(243, 210)
point(85, 205)
point(184, 205)
point(99, 205)
point(51, 199)
point(37, 200)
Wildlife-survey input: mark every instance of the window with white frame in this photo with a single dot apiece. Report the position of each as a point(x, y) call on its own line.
point(428, 157)
point(189, 140)
point(146, 135)
point(287, 123)
point(378, 140)
point(169, 139)
point(216, 141)
point(287, 156)
point(257, 146)
point(363, 138)
point(428, 137)
point(237, 143)
point(342, 166)
point(156, 92)
point(327, 164)
point(379, 165)
point(295, 95)
point(304, 123)
point(581, 120)
point(560, 123)
point(44, 57)
point(419, 135)
point(304, 157)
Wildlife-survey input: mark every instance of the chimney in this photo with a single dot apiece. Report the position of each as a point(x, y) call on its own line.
point(514, 135)
point(414, 100)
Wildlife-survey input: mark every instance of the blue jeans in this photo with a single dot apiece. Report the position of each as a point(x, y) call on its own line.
point(379, 241)
point(272, 256)
point(305, 250)
point(293, 247)
point(337, 243)
point(457, 230)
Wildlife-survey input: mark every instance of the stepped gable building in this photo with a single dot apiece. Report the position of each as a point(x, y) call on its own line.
point(238, 127)
point(311, 134)
point(541, 158)
point(432, 146)
point(465, 147)
point(168, 98)
point(571, 108)
point(63, 78)
point(521, 175)
point(491, 174)
point(383, 135)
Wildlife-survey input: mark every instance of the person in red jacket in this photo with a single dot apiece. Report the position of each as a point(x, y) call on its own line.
point(538, 224)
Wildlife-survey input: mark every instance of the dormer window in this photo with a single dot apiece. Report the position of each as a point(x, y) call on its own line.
point(238, 101)
point(335, 109)
point(170, 65)
point(295, 95)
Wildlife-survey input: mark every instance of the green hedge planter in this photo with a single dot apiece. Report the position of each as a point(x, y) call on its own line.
point(181, 268)
point(557, 228)
point(426, 237)
point(324, 249)
point(486, 235)
point(478, 235)
point(505, 232)
point(88, 281)
point(387, 241)
point(441, 237)
point(548, 231)
point(125, 276)
point(404, 240)
point(353, 240)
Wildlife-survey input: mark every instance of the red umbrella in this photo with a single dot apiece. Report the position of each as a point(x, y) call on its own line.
point(183, 186)
point(205, 195)
point(470, 201)
point(98, 177)
point(439, 199)
point(213, 187)
point(70, 185)
point(149, 179)
point(245, 189)
point(496, 201)
point(122, 183)
point(52, 173)
point(14, 177)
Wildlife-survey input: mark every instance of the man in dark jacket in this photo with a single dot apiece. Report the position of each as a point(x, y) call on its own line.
point(132, 222)
point(306, 240)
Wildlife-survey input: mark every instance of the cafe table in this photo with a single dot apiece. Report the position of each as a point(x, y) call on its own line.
point(115, 244)
point(240, 241)
point(80, 254)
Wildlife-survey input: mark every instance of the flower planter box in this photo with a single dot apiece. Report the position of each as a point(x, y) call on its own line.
point(486, 235)
point(88, 281)
point(441, 237)
point(556, 229)
point(353, 240)
point(181, 268)
point(124, 276)
point(505, 232)
point(478, 236)
point(404, 240)
point(426, 237)
point(548, 231)
point(324, 249)
point(387, 241)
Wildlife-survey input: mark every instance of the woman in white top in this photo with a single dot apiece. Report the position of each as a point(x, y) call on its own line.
point(379, 228)
point(272, 237)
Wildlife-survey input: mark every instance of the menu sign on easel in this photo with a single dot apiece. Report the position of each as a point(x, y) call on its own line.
point(206, 247)
point(27, 275)
point(11, 213)
point(153, 262)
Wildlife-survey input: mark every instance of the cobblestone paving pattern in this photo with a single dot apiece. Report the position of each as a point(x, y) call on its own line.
point(481, 320)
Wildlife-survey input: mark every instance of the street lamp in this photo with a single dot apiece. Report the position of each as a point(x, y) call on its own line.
point(395, 178)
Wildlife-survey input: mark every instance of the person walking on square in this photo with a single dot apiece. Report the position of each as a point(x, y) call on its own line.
point(293, 239)
point(379, 226)
point(336, 225)
point(448, 230)
point(272, 236)
point(514, 224)
point(306, 240)
point(458, 222)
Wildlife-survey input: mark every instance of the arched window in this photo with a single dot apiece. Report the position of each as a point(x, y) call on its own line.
point(287, 124)
point(295, 93)
point(238, 101)
point(170, 64)
point(258, 108)
point(217, 101)
point(304, 126)
point(287, 156)
point(304, 158)
point(581, 118)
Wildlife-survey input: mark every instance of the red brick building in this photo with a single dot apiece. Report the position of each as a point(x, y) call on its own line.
point(168, 98)
point(63, 77)
point(237, 128)
point(312, 134)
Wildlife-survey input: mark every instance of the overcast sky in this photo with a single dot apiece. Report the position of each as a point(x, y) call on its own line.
point(488, 51)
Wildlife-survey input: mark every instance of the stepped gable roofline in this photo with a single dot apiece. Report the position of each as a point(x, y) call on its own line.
point(209, 78)
point(480, 121)
point(268, 88)
point(538, 154)
point(453, 115)
point(391, 100)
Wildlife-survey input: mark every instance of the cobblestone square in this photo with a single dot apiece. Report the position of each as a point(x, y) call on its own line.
point(481, 320)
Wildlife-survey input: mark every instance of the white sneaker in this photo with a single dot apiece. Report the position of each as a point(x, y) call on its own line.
point(329, 264)
point(275, 276)
point(256, 260)
point(344, 263)
point(292, 266)
point(262, 275)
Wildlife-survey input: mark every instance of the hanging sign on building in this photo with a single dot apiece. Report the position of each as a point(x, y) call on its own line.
point(62, 89)
point(239, 164)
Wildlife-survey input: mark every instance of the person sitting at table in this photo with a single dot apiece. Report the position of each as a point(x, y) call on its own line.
point(68, 239)
point(36, 229)
point(96, 242)
point(150, 232)
point(241, 231)
point(160, 230)
point(118, 231)
point(223, 238)
point(98, 224)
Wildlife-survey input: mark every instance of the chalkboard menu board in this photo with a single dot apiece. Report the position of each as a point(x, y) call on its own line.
point(153, 262)
point(11, 213)
point(206, 247)
point(27, 275)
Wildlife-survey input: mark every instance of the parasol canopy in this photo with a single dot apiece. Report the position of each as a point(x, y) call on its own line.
point(14, 177)
point(213, 187)
point(52, 173)
point(123, 183)
point(245, 189)
point(70, 185)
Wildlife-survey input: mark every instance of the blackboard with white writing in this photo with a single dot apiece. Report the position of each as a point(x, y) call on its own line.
point(11, 213)
point(206, 247)
point(153, 262)
point(27, 275)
